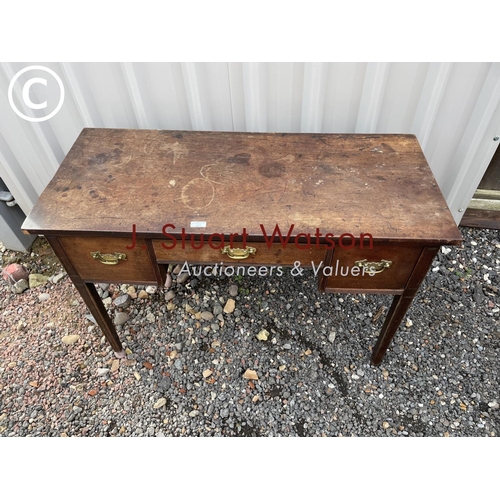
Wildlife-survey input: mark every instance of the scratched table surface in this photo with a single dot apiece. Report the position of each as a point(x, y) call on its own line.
point(339, 183)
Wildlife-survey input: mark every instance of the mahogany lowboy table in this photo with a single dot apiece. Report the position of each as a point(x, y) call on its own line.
point(365, 206)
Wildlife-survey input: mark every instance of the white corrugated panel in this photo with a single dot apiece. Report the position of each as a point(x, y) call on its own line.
point(453, 109)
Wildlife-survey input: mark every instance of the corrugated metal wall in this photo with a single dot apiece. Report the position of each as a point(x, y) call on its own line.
point(453, 108)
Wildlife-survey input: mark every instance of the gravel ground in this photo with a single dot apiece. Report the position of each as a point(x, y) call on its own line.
point(188, 358)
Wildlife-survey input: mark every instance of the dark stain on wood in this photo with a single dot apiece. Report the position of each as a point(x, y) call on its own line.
point(241, 158)
point(326, 169)
point(388, 148)
point(102, 158)
point(272, 170)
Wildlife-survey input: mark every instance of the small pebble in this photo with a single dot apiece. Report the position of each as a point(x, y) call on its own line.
point(207, 315)
point(182, 278)
point(168, 281)
point(161, 402)
point(120, 318)
point(250, 375)
point(70, 339)
point(20, 286)
point(58, 277)
point(230, 305)
point(263, 335)
point(122, 301)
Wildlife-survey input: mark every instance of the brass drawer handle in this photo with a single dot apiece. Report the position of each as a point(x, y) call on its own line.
point(374, 267)
point(108, 258)
point(238, 253)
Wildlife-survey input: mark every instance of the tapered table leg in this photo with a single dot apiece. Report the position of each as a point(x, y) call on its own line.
point(401, 303)
point(91, 298)
point(399, 307)
point(94, 303)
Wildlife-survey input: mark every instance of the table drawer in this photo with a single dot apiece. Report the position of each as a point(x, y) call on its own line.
point(135, 267)
point(276, 255)
point(390, 264)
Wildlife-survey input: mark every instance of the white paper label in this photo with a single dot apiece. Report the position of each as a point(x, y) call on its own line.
point(198, 223)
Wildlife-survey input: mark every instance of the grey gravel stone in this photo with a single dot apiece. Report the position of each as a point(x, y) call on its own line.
point(182, 278)
point(207, 315)
point(165, 383)
point(20, 286)
point(120, 318)
point(58, 277)
point(122, 301)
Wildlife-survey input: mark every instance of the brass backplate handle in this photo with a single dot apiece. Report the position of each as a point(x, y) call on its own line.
point(110, 259)
point(374, 267)
point(238, 253)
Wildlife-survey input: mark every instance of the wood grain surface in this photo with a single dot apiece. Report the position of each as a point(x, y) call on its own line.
point(114, 178)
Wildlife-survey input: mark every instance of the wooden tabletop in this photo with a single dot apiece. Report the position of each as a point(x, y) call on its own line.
point(339, 183)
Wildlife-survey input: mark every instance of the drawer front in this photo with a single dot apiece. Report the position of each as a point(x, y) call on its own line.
point(390, 264)
point(276, 255)
point(136, 267)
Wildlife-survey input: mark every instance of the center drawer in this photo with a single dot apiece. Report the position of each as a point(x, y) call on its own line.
point(260, 255)
point(385, 268)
